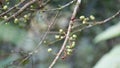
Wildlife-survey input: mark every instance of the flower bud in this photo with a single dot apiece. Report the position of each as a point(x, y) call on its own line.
point(82, 17)
point(15, 20)
point(92, 17)
point(57, 36)
point(5, 7)
point(49, 49)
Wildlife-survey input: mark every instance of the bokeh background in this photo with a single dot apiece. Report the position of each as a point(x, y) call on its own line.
point(18, 40)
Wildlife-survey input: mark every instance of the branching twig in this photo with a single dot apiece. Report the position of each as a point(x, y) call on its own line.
point(62, 7)
point(36, 49)
point(98, 23)
point(10, 9)
point(67, 35)
point(22, 9)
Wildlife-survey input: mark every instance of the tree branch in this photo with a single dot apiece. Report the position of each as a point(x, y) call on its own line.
point(67, 35)
point(91, 24)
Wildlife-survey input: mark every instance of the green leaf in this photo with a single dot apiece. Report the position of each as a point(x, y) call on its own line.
point(111, 32)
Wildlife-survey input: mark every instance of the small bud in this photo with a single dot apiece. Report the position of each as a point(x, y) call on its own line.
point(73, 45)
point(84, 22)
point(31, 6)
point(61, 31)
point(49, 49)
point(57, 36)
point(16, 20)
point(82, 17)
point(74, 36)
point(71, 38)
point(61, 37)
point(5, 17)
point(68, 47)
point(5, 7)
point(68, 53)
point(69, 50)
point(92, 17)
point(26, 16)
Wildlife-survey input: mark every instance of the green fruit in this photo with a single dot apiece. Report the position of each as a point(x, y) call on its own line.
point(5, 17)
point(57, 36)
point(68, 47)
point(61, 31)
point(74, 36)
point(26, 16)
point(92, 17)
point(49, 49)
point(69, 50)
point(82, 17)
point(16, 20)
point(5, 7)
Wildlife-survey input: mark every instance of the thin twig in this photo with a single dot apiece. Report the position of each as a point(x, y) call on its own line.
point(10, 9)
point(67, 35)
point(98, 23)
point(36, 49)
point(22, 9)
point(61, 7)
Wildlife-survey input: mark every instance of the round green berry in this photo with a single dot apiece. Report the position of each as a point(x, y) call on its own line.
point(82, 17)
point(57, 36)
point(92, 17)
point(26, 16)
point(5, 7)
point(49, 49)
point(74, 36)
point(16, 20)
point(61, 31)
point(5, 17)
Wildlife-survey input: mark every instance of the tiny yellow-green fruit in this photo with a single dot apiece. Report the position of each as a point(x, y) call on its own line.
point(71, 38)
point(26, 16)
point(84, 21)
point(57, 36)
point(74, 36)
point(68, 53)
point(5, 7)
point(15, 20)
point(69, 50)
point(73, 44)
point(68, 47)
point(61, 31)
point(61, 37)
point(5, 17)
point(44, 41)
point(82, 17)
point(92, 17)
point(49, 49)
point(31, 6)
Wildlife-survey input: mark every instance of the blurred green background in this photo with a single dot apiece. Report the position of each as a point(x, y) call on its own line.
point(17, 40)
